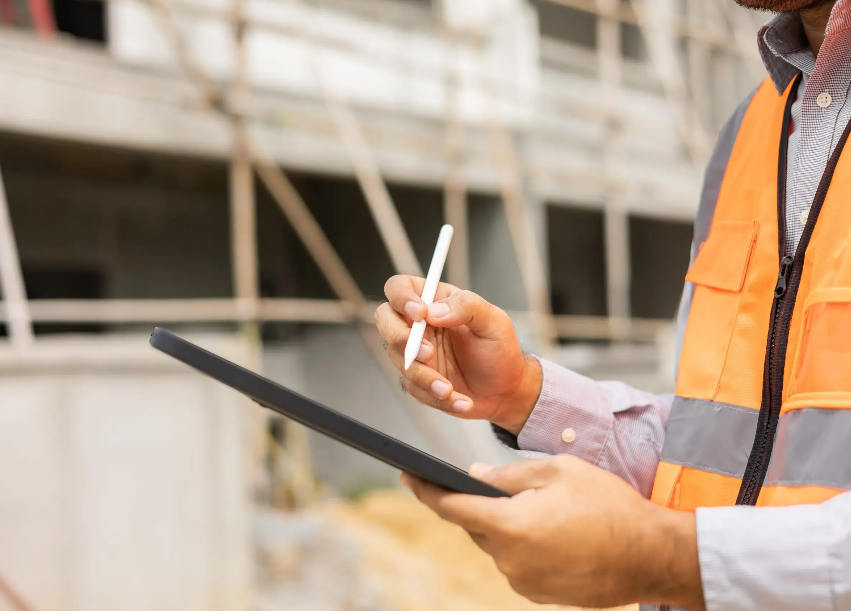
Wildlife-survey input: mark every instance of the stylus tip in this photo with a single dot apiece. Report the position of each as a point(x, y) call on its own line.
point(408, 363)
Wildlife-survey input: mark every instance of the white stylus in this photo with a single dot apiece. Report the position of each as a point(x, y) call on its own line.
point(432, 280)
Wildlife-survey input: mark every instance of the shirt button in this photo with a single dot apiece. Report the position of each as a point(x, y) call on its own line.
point(804, 216)
point(824, 100)
point(568, 435)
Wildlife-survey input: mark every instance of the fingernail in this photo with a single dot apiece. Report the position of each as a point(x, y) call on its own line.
point(423, 353)
point(440, 389)
point(412, 309)
point(479, 468)
point(462, 405)
point(438, 310)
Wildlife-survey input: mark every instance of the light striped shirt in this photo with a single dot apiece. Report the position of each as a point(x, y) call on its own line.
point(750, 558)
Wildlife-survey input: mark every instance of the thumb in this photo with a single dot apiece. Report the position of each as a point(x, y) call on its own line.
point(466, 308)
point(516, 478)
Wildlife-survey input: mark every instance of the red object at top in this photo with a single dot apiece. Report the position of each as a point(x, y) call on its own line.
point(41, 16)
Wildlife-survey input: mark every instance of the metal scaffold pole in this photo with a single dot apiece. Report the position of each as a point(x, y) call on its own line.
point(616, 220)
point(12, 280)
point(242, 200)
point(454, 186)
point(511, 188)
point(362, 159)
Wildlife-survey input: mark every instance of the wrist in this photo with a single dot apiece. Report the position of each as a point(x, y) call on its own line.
point(516, 407)
point(668, 570)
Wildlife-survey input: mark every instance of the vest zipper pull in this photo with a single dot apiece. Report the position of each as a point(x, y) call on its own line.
point(785, 266)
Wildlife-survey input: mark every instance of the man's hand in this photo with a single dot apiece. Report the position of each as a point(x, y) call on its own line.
point(574, 534)
point(470, 363)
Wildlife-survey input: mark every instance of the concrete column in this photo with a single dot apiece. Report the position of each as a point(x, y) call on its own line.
point(616, 225)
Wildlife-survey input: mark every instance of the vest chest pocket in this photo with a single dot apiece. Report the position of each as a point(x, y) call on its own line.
point(718, 273)
point(822, 371)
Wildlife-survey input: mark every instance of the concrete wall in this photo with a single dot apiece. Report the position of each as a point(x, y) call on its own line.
point(307, 48)
point(126, 479)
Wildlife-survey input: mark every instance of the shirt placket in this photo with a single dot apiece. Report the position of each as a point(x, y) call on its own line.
point(823, 99)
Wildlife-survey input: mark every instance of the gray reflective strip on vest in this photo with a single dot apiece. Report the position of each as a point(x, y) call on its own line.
point(811, 446)
point(709, 436)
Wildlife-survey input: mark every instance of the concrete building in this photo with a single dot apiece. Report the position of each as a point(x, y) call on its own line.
point(567, 136)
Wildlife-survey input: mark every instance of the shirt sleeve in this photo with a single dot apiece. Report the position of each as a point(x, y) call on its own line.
point(608, 424)
point(779, 558)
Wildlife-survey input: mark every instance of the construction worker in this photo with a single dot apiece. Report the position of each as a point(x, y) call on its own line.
point(732, 494)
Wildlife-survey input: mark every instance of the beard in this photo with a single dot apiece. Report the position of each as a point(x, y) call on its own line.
point(783, 6)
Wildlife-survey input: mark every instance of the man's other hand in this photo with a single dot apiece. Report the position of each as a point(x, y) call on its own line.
point(574, 534)
point(470, 363)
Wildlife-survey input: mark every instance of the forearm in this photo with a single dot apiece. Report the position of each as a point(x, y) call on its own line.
point(667, 570)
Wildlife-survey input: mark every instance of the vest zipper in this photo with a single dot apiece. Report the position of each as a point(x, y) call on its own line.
point(785, 294)
point(785, 266)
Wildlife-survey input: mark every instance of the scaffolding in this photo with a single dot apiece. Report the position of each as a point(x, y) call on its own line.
point(664, 24)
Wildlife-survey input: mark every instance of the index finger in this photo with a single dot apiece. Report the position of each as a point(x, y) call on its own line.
point(403, 293)
point(473, 513)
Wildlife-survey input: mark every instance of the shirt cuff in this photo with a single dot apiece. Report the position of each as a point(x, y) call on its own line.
point(568, 401)
point(757, 558)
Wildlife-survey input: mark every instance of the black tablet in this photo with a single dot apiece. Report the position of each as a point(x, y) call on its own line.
point(321, 418)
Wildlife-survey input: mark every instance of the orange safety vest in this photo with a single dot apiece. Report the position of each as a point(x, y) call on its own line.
point(762, 413)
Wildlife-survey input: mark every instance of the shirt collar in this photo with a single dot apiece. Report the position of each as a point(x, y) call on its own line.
point(784, 47)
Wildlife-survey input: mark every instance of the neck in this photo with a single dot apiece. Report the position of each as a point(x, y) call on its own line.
point(815, 24)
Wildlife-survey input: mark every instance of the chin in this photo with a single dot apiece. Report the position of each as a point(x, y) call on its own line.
point(782, 6)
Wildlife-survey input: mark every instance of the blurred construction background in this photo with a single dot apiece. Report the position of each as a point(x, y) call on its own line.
point(249, 173)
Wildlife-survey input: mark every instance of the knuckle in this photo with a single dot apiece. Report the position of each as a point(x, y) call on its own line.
point(390, 285)
point(510, 568)
point(500, 314)
point(502, 565)
point(466, 298)
point(442, 405)
point(421, 376)
point(398, 338)
point(424, 397)
point(429, 401)
point(475, 304)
